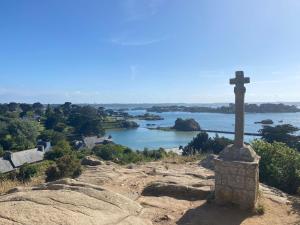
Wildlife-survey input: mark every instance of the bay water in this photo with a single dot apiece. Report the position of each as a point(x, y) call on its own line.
point(142, 137)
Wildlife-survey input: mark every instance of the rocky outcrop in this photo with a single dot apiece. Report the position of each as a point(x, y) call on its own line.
point(129, 124)
point(68, 202)
point(115, 195)
point(91, 161)
point(177, 191)
point(186, 125)
point(208, 162)
point(265, 122)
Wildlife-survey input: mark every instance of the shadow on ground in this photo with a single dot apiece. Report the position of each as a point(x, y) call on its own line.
point(295, 206)
point(211, 214)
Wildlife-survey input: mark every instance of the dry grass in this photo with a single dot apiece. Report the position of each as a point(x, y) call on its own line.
point(179, 159)
point(6, 185)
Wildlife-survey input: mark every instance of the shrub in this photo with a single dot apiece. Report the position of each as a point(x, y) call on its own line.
point(279, 165)
point(260, 209)
point(217, 144)
point(26, 172)
point(52, 173)
point(1, 151)
point(66, 166)
point(154, 154)
point(116, 153)
point(284, 133)
point(60, 149)
point(124, 155)
point(54, 136)
point(203, 143)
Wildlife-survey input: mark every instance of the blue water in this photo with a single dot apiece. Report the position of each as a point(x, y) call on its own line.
point(142, 137)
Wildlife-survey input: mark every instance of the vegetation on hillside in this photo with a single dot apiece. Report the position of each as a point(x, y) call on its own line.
point(279, 165)
point(124, 155)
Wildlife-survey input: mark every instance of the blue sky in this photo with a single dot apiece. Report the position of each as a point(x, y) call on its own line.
point(147, 51)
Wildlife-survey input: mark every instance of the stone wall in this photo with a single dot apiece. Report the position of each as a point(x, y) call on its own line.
point(236, 182)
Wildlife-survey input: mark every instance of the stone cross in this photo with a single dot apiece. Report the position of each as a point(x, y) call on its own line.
point(239, 91)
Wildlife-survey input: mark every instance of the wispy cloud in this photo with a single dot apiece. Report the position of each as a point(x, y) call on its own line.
point(133, 72)
point(140, 9)
point(142, 42)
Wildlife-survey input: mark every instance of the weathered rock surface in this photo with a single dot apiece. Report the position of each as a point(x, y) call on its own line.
point(176, 190)
point(68, 202)
point(91, 161)
point(113, 194)
point(208, 162)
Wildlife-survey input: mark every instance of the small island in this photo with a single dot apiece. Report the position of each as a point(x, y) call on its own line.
point(186, 125)
point(180, 125)
point(149, 117)
point(129, 124)
point(265, 122)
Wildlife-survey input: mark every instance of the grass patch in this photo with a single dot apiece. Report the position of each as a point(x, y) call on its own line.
point(260, 209)
point(179, 159)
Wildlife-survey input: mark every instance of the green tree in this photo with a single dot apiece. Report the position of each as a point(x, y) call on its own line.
point(281, 133)
point(53, 136)
point(38, 108)
point(25, 107)
point(61, 149)
point(13, 106)
point(198, 144)
point(203, 143)
point(86, 121)
point(3, 109)
point(17, 134)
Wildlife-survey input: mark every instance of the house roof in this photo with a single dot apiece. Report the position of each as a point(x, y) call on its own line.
point(5, 166)
point(27, 156)
point(90, 142)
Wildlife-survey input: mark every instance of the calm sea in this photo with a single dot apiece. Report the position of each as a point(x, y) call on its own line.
point(142, 137)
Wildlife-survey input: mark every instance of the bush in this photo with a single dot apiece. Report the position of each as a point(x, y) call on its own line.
point(124, 155)
point(154, 154)
point(116, 153)
point(202, 143)
point(59, 150)
point(66, 166)
point(1, 151)
point(52, 173)
point(54, 136)
point(279, 165)
point(217, 144)
point(285, 133)
point(26, 172)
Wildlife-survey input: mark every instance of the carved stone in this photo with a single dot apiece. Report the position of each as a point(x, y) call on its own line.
point(237, 167)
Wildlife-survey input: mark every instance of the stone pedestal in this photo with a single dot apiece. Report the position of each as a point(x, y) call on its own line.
point(237, 177)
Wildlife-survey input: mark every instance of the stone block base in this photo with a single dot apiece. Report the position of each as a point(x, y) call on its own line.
point(236, 182)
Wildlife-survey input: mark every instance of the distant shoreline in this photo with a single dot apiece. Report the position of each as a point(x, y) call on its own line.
point(203, 130)
point(249, 108)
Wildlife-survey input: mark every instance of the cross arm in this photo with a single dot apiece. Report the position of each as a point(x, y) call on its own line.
point(232, 81)
point(247, 80)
